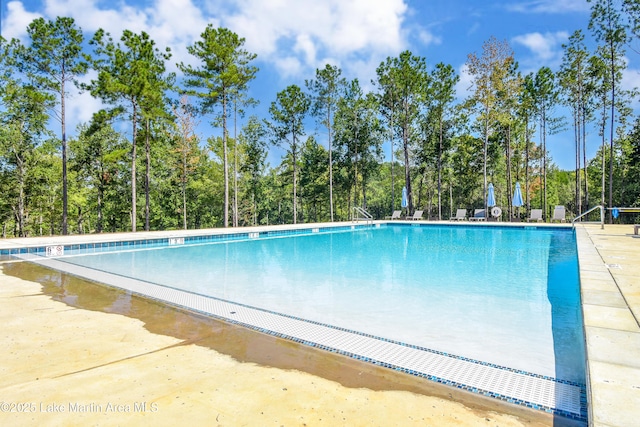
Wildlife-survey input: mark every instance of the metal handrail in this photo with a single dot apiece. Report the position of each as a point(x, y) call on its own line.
point(573, 222)
point(365, 216)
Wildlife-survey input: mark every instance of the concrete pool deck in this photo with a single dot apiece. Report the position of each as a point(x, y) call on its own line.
point(609, 268)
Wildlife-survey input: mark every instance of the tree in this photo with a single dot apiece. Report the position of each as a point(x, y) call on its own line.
point(326, 91)
point(128, 74)
point(546, 96)
point(404, 82)
point(186, 148)
point(443, 82)
point(225, 71)
point(611, 31)
point(23, 125)
point(99, 156)
point(239, 101)
point(508, 89)
point(53, 61)
point(487, 71)
point(252, 135)
point(313, 178)
point(287, 116)
point(527, 111)
point(632, 9)
point(573, 80)
point(153, 110)
point(358, 139)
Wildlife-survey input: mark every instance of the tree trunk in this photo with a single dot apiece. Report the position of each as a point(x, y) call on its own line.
point(330, 164)
point(133, 172)
point(508, 156)
point(295, 179)
point(20, 213)
point(100, 196)
point(526, 168)
point(183, 180)
point(225, 161)
point(484, 155)
point(584, 155)
point(147, 175)
point(235, 163)
point(576, 130)
point(65, 190)
point(407, 169)
point(612, 130)
point(439, 171)
point(544, 163)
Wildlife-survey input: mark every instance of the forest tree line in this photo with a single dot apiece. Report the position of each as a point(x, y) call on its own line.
point(161, 174)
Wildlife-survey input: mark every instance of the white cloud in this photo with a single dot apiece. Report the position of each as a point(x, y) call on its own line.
point(631, 82)
point(428, 38)
point(464, 85)
point(170, 23)
point(17, 19)
point(305, 45)
point(546, 48)
point(288, 66)
point(549, 6)
point(293, 36)
point(339, 29)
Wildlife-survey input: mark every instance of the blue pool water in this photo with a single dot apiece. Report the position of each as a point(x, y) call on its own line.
point(507, 296)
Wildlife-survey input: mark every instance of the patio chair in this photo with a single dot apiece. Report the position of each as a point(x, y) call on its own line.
point(536, 215)
point(416, 215)
point(559, 214)
point(461, 215)
point(478, 215)
point(394, 215)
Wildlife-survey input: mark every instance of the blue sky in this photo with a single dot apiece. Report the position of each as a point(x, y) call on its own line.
point(293, 38)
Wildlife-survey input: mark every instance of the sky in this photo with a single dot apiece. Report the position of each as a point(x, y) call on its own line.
point(293, 38)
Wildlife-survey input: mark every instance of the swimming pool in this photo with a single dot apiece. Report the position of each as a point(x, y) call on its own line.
point(499, 295)
point(506, 297)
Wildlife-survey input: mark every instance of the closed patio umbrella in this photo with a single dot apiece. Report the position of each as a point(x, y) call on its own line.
point(491, 197)
point(491, 202)
point(517, 196)
point(517, 199)
point(404, 197)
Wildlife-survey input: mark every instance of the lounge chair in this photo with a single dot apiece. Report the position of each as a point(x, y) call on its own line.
point(559, 214)
point(395, 215)
point(536, 215)
point(416, 215)
point(478, 215)
point(461, 215)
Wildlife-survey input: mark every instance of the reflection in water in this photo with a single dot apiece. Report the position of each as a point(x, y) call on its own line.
point(566, 313)
point(242, 344)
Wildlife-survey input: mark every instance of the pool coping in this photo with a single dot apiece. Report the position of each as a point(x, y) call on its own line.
point(27, 246)
point(609, 261)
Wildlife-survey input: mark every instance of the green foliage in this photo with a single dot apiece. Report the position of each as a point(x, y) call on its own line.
point(404, 86)
point(225, 72)
point(287, 127)
point(131, 77)
point(447, 152)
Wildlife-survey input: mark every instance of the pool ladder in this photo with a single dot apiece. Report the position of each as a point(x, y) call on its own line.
point(359, 214)
point(573, 223)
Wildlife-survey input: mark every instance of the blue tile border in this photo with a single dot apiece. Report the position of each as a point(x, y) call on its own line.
point(74, 249)
point(227, 237)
